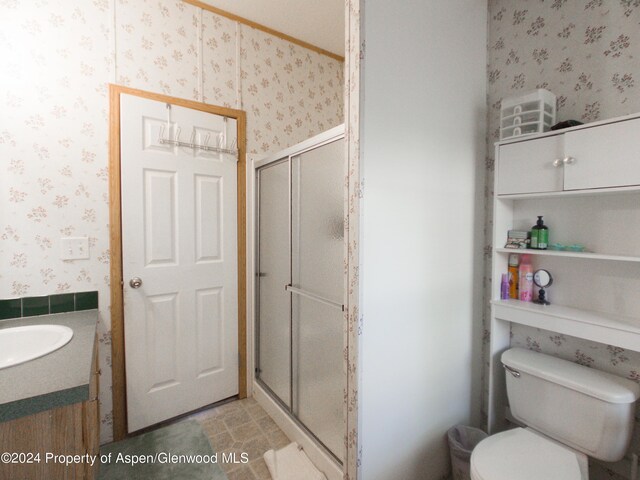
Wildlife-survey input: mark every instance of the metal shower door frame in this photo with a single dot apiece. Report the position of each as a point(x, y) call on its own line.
point(287, 156)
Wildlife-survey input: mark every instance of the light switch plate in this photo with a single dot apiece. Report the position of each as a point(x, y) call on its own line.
point(74, 248)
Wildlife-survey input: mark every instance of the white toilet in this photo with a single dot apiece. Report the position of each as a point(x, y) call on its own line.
point(570, 411)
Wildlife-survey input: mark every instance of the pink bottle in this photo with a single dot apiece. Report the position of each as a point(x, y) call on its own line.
point(526, 279)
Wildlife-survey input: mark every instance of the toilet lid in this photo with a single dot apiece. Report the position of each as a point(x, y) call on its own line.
point(521, 454)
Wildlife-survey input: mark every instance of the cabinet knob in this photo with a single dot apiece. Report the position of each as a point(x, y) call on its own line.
point(558, 162)
point(568, 160)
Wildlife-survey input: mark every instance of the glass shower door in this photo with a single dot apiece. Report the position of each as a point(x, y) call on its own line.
point(274, 260)
point(317, 286)
point(300, 287)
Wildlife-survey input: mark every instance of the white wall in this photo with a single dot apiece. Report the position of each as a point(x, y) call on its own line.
point(423, 122)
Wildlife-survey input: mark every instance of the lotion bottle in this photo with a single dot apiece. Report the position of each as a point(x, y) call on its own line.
point(526, 279)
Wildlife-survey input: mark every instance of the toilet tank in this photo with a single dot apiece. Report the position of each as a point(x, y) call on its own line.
point(586, 409)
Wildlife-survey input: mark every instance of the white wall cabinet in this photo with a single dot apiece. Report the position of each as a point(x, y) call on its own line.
point(586, 157)
point(604, 156)
point(594, 199)
point(526, 167)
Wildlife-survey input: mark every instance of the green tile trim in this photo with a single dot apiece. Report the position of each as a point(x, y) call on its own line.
point(86, 301)
point(62, 303)
point(32, 306)
point(45, 305)
point(10, 308)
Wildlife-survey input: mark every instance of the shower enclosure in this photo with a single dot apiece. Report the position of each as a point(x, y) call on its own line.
point(300, 284)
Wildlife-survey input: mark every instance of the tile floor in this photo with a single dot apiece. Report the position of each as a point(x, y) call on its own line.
point(242, 426)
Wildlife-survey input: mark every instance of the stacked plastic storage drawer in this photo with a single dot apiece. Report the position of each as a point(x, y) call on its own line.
point(527, 114)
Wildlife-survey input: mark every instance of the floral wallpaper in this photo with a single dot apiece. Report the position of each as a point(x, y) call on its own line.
point(219, 61)
point(53, 154)
point(587, 54)
point(288, 92)
point(157, 47)
point(60, 56)
point(353, 187)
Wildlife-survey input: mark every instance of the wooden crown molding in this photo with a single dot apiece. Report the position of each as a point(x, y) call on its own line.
point(258, 26)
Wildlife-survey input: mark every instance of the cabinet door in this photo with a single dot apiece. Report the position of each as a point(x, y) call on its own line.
point(527, 167)
point(604, 156)
point(91, 435)
point(59, 431)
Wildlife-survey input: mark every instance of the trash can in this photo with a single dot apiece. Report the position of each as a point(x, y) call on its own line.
point(462, 441)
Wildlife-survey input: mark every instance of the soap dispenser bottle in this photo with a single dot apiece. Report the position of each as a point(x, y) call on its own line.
point(540, 235)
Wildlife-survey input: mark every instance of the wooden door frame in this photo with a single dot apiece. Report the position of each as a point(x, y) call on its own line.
point(119, 391)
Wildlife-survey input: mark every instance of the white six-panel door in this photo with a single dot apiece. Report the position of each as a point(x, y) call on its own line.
point(179, 227)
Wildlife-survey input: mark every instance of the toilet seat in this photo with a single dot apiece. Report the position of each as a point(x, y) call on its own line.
point(521, 454)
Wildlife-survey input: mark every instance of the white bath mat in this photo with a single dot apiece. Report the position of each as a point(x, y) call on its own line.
point(291, 463)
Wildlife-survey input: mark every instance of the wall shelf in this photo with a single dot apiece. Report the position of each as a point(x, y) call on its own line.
point(588, 192)
point(595, 326)
point(566, 253)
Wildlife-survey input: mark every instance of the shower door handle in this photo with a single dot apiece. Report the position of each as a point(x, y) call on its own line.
point(313, 296)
